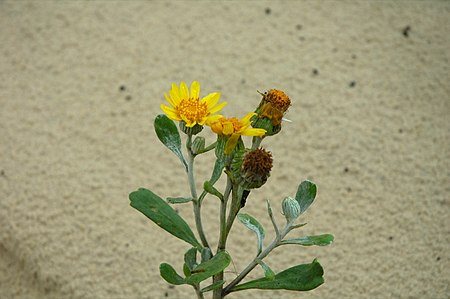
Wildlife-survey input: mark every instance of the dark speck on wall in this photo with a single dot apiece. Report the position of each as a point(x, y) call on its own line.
point(298, 27)
point(352, 84)
point(122, 88)
point(267, 11)
point(406, 31)
point(391, 238)
point(438, 258)
point(315, 72)
point(346, 169)
point(128, 98)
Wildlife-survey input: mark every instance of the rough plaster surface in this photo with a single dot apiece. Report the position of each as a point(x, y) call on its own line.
point(73, 145)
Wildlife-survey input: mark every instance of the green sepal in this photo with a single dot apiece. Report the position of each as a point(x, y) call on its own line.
point(320, 240)
point(253, 224)
point(213, 286)
point(177, 200)
point(161, 213)
point(298, 278)
point(210, 268)
point(198, 145)
point(306, 193)
point(170, 275)
point(211, 190)
point(167, 132)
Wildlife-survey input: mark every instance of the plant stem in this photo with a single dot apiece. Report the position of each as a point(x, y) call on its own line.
point(198, 292)
point(217, 293)
point(252, 265)
point(256, 142)
point(195, 201)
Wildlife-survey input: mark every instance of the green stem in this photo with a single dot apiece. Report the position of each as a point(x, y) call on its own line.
point(256, 142)
point(217, 293)
point(254, 263)
point(198, 292)
point(195, 201)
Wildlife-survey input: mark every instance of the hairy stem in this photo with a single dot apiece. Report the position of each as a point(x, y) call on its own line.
point(217, 293)
point(195, 201)
point(254, 263)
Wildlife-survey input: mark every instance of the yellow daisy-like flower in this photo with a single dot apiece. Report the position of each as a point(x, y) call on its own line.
point(188, 107)
point(233, 128)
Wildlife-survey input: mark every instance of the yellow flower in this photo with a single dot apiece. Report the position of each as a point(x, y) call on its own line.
point(188, 107)
point(233, 128)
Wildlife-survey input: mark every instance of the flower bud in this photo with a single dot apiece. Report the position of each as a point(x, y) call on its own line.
point(198, 145)
point(270, 111)
point(194, 130)
point(291, 209)
point(252, 168)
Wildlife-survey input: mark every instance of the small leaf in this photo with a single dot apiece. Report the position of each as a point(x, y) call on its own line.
point(167, 132)
point(190, 258)
point(253, 224)
point(320, 240)
point(170, 275)
point(268, 273)
point(217, 172)
point(298, 278)
point(206, 254)
point(186, 270)
point(157, 210)
point(175, 200)
point(211, 190)
point(305, 195)
point(213, 286)
point(207, 269)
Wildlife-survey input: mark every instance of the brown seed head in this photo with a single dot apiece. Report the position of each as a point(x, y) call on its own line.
point(255, 168)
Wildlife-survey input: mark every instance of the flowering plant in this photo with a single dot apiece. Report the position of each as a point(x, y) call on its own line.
point(246, 168)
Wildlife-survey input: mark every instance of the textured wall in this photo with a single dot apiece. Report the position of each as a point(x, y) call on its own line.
point(371, 105)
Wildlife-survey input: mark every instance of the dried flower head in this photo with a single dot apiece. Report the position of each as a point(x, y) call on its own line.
point(255, 168)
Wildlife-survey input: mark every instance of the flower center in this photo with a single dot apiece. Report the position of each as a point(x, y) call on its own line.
point(192, 109)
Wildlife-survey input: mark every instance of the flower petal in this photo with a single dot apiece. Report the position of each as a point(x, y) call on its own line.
point(247, 118)
point(211, 99)
point(170, 100)
point(253, 132)
point(231, 143)
point(195, 90)
point(171, 113)
point(175, 93)
point(228, 128)
point(184, 92)
point(217, 108)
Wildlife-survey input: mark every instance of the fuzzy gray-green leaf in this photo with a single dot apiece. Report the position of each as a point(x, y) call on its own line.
point(209, 268)
point(253, 224)
point(306, 193)
point(298, 278)
point(161, 213)
point(320, 240)
point(167, 132)
point(170, 275)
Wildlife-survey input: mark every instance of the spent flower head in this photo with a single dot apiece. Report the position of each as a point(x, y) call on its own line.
point(252, 168)
point(188, 108)
point(271, 110)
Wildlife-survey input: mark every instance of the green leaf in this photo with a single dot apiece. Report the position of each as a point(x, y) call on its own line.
point(170, 275)
point(175, 200)
point(298, 278)
point(157, 210)
point(305, 195)
point(320, 240)
point(167, 132)
point(217, 172)
point(268, 273)
point(213, 286)
point(253, 224)
point(211, 190)
point(190, 258)
point(206, 254)
point(209, 268)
